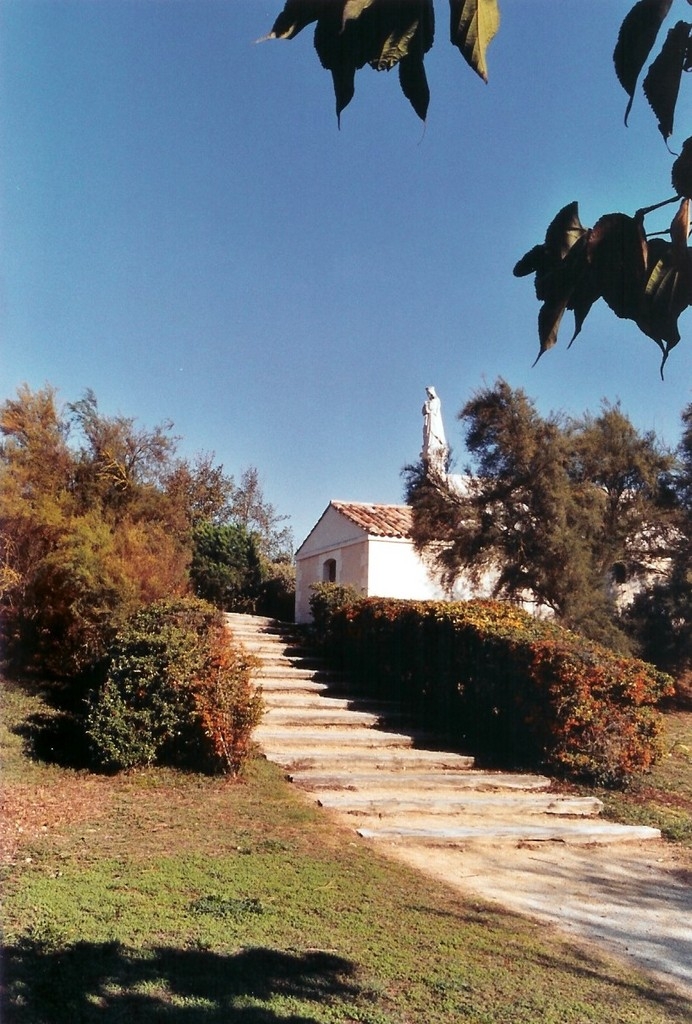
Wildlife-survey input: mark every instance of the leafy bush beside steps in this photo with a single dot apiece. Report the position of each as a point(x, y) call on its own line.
point(178, 692)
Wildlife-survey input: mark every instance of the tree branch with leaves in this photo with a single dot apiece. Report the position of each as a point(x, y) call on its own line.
point(642, 278)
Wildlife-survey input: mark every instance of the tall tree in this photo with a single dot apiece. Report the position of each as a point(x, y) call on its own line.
point(99, 516)
point(251, 510)
point(120, 463)
point(86, 538)
point(631, 476)
point(661, 616)
point(200, 491)
point(539, 513)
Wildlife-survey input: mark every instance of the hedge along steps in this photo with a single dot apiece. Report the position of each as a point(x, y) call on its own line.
point(521, 690)
point(393, 793)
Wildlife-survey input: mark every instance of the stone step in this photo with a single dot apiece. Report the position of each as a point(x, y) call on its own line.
point(278, 649)
point(247, 618)
point(385, 805)
point(295, 672)
point(277, 737)
point(280, 655)
point(275, 646)
point(397, 780)
point(291, 698)
point(298, 687)
point(358, 759)
point(262, 629)
point(265, 634)
point(307, 717)
point(503, 831)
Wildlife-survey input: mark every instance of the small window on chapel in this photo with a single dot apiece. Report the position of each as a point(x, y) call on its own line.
point(329, 571)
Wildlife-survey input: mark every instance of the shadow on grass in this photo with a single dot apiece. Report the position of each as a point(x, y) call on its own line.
point(57, 738)
point(55, 734)
point(110, 983)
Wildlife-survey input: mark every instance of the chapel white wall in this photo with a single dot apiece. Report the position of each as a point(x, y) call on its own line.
point(396, 570)
point(335, 537)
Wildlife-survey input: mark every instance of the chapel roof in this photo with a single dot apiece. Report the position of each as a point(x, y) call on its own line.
point(377, 520)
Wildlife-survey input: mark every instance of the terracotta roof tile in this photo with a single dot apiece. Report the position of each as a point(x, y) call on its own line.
point(377, 520)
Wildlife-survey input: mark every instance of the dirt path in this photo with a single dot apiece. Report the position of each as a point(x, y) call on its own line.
point(635, 902)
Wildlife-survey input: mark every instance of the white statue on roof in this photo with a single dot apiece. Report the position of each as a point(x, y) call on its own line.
point(435, 448)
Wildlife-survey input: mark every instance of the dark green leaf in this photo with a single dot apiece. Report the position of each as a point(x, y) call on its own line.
point(412, 77)
point(662, 82)
point(532, 262)
point(414, 84)
point(338, 53)
point(559, 289)
point(617, 253)
point(473, 25)
point(394, 47)
point(392, 30)
point(381, 33)
point(681, 175)
point(585, 293)
point(344, 79)
point(563, 275)
point(637, 35)
point(564, 230)
point(295, 16)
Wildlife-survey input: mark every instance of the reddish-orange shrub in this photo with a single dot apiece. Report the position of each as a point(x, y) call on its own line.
point(515, 690)
point(228, 703)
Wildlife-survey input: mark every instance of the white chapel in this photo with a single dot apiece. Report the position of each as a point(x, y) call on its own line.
point(369, 546)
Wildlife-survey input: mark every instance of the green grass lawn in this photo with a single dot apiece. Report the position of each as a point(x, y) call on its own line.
point(163, 897)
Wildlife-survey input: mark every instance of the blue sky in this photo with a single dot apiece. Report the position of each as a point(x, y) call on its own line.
point(186, 231)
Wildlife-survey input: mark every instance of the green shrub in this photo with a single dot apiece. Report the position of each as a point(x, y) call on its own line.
point(225, 567)
point(277, 595)
point(178, 691)
point(514, 690)
point(326, 600)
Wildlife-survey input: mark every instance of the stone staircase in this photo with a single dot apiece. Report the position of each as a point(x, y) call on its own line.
point(359, 760)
